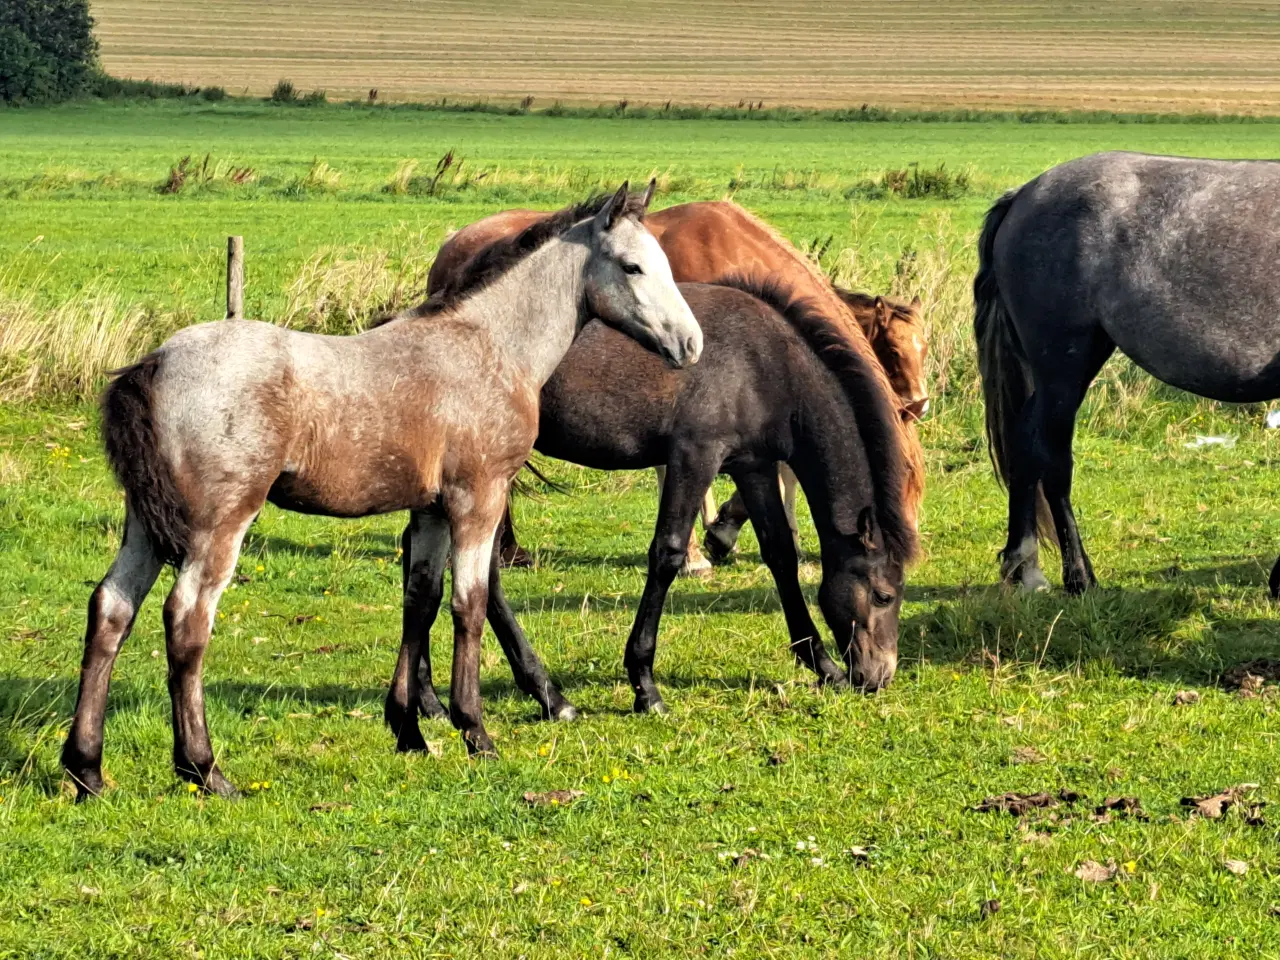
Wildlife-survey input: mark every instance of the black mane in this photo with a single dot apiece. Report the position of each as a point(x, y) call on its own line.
point(874, 409)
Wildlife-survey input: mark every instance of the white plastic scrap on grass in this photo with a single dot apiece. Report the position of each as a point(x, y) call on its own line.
point(1226, 443)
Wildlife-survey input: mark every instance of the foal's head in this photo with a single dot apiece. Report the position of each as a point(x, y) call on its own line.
point(898, 337)
point(861, 597)
point(629, 284)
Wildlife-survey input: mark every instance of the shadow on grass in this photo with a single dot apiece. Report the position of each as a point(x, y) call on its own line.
point(1161, 633)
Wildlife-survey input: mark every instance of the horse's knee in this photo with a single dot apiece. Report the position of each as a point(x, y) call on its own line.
point(110, 616)
point(667, 554)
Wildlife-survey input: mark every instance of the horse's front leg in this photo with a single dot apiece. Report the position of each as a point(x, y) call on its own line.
point(474, 511)
point(695, 564)
point(689, 474)
point(426, 553)
point(778, 550)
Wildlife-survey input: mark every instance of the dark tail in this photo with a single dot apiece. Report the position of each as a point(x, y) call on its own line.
point(1005, 381)
point(129, 434)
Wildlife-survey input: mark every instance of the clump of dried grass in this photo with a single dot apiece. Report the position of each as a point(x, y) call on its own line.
point(345, 290)
point(67, 350)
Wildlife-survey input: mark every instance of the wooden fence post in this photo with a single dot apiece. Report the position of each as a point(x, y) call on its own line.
point(235, 278)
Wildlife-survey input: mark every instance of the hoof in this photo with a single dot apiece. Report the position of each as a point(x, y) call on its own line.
point(718, 545)
point(566, 713)
point(515, 555)
point(479, 746)
point(410, 740)
point(89, 784)
point(651, 705)
point(1033, 581)
point(695, 564)
point(212, 783)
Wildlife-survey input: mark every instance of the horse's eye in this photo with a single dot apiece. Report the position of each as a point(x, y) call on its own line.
point(632, 268)
point(882, 599)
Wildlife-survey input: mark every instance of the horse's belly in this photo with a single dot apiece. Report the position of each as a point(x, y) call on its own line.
point(1215, 363)
point(337, 487)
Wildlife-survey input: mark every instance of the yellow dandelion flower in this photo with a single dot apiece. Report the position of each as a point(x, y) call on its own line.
point(544, 750)
point(192, 788)
point(260, 568)
point(585, 901)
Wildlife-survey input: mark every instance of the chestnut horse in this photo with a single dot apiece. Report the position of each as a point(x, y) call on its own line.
point(433, 412)
point(703, 241)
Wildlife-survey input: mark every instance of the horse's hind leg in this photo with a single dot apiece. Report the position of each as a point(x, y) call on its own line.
point(426, 553)
point(189, 611)
point(777, 548)
point(113, 607)
point(1020, 558)
point(695, 564)
point(530, 674)
point(688, 477)
point(1051, 425)
point(1058, 416)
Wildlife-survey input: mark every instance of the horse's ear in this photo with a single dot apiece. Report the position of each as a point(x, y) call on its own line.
point(881, 309)
point(648, 193)
point(610, 212)
point(867, 527)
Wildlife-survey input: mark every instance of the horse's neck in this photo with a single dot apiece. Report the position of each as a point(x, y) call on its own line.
point(533, 310)
point(828, 457)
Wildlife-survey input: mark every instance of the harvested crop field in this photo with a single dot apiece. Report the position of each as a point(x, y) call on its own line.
point(1138, 56)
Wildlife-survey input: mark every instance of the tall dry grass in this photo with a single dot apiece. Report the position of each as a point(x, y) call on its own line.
point(344, 290)
point(66, 351)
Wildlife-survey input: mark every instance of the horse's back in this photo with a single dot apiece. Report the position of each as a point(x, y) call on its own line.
point(615, 405)
point(1174, 258)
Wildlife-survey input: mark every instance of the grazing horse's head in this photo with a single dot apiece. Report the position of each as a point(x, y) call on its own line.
point(864, 590)
point(897, 333)
point(629, 285)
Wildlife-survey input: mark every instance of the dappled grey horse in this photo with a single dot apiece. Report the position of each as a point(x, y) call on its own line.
point(434, 411)
point(1175, 261)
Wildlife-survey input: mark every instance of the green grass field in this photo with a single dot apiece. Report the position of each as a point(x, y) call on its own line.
point(726, 828)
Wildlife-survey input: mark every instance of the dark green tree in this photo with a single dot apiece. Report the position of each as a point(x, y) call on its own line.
point(47, 49)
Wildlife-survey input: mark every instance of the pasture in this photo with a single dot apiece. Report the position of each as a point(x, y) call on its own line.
point(763, 817)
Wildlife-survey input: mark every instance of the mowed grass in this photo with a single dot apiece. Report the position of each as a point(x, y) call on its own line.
point(725, 828)
point(1131, 54)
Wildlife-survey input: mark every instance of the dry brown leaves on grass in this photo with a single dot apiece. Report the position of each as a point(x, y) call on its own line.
point(1214, 806)
point(553, 798)
point(1020, 804)
point(1122, 806)
point(1238, 867)
point(1185, 698)
point(1091, 871)
point(1250, 679)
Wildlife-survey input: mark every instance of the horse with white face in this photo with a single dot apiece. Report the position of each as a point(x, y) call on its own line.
point(434, 411)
